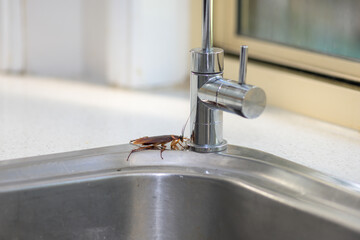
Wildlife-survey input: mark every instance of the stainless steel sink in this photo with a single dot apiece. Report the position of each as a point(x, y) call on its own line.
point(238, 194)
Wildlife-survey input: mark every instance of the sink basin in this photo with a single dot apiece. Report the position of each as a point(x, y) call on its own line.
point(237, 194)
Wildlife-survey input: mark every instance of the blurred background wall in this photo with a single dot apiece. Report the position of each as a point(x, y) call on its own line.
point(129, 43)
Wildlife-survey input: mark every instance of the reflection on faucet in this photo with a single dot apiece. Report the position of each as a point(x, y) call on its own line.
point(211, 94)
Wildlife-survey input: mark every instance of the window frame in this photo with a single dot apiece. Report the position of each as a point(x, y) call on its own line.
point(225, 14)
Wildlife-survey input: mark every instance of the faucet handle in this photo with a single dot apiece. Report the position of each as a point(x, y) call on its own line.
point(243, 64)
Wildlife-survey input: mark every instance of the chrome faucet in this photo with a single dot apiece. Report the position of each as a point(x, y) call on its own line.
point(211, 94)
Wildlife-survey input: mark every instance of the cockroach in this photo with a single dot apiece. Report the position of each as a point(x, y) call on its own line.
point(159, 142)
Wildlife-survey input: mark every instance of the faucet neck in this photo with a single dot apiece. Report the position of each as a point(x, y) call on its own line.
point(206, 63)
point(207, 25)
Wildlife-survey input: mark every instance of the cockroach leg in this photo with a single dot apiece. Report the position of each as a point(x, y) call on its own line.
point(162, 148)
point(141, 149)
point(174, 144)
point(182, 146)
point(184, 141)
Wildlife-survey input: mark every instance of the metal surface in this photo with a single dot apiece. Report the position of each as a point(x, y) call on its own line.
point(245, 100)
point(205, 122)
point(211, 61)
point(207, 25)
point(237, 194)
point(211, 94)
point(243, 57)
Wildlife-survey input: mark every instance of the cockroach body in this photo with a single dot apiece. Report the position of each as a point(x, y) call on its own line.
point(159, 143)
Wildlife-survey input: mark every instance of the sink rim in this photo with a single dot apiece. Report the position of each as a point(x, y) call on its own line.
point(122, 150)
point(277, 178)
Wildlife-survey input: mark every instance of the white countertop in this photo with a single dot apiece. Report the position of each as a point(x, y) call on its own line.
point(43, 116)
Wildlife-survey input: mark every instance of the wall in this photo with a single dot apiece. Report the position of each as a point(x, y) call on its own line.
point(11, 36)
point(131, 43)
point(149, 42)
point(54, 43)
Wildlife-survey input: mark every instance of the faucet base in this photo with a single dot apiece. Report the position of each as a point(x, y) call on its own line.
point(208, 148)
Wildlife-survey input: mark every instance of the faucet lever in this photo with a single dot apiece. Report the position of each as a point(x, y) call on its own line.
point(243, 64)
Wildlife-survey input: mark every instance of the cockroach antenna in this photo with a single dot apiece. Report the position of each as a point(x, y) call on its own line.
point(183, 129)
point(187, 120)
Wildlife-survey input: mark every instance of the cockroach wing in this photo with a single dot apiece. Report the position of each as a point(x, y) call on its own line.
point(154, 140)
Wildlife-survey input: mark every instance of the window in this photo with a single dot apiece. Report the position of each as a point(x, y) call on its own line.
point(321, 36)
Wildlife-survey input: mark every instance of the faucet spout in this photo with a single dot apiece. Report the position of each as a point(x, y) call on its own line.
point(245, 100)
point(211, 94)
